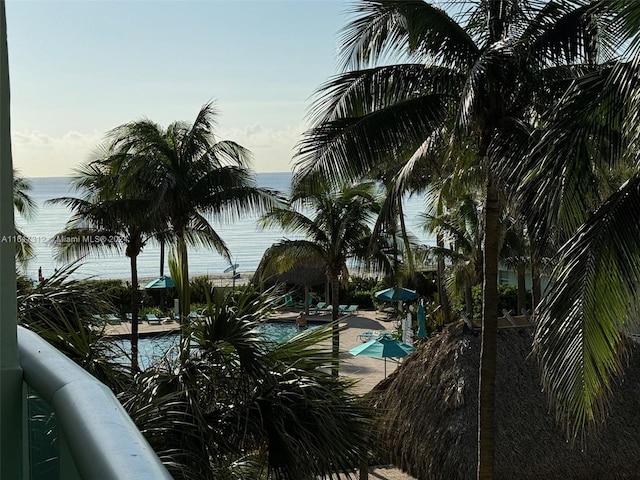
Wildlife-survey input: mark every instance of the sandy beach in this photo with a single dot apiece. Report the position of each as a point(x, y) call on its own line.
point(368, 371)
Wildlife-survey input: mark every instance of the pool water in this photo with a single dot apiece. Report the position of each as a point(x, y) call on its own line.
point(281, 332)
point(153, 349)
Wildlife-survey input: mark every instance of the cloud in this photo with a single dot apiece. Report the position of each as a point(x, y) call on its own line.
point(39, 154)
point(272, 149)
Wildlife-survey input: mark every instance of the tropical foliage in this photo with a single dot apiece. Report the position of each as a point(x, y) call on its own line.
point(238, 407)
point(461, 231)
point(60, 310)
point(233, 406)
point(586, 142)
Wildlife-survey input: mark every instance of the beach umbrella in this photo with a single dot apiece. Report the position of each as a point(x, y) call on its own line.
point(422, 326)
point(160, 283)
point(385, 347)
point(396, 294)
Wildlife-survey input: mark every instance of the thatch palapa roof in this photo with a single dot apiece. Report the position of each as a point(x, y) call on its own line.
point(427, 412)
point(306, 272)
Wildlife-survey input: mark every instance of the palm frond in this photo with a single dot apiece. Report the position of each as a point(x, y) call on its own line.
point(578, 341)
point(399, 28)
point(24, 204)
point(358, 93)
point(345, 149)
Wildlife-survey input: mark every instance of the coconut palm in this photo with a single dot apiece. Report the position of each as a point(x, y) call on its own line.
point(480, 73)
point(191, 178)
point(106, 219)
point(335, 225)
point(26, 207)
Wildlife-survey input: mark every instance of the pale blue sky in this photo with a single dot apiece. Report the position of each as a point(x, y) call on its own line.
point(80, 68)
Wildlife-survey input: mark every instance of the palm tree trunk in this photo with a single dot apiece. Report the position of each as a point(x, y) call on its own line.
point(162, 257)
point(133, 260)
point(536, 289)
point(442, 293)
point(405, 238)
point(335, 332)
point(488, 353)
point(522, 289)
point(327, 291)
point(185, 306)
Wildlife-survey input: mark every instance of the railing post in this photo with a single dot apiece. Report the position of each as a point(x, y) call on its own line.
point(10, 372)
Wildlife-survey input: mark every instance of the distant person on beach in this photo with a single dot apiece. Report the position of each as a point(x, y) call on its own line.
point(301, 320)
point(40, 277)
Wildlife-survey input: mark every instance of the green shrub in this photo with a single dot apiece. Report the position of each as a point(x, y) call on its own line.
point(362, 299)
point(507, 299)
point(201, 287)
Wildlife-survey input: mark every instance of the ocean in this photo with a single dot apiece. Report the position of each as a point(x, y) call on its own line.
point(244, 238)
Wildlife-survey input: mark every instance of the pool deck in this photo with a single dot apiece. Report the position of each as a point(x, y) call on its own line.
point(368, 371)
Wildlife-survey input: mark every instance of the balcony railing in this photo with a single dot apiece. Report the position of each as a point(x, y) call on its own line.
point(97, 439)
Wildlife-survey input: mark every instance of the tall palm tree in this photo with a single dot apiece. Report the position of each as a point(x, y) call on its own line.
point(335, 225)
point(106, 219)
point(26, 207)
point(191, 178)
point(482, 74)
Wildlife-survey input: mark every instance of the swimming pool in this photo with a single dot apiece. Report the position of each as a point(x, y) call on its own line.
point(279, 332)
point(153, 348)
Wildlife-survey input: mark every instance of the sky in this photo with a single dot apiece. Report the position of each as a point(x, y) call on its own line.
point(80, 68)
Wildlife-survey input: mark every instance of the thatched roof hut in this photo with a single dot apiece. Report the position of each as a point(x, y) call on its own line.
point(306, 272)
point(428, 416)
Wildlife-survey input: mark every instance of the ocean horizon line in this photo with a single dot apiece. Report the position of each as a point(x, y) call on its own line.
point(42, 177)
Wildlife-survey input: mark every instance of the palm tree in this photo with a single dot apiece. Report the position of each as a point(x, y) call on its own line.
point(336, 229)
point(190, 177)
point(461, 228)
point(483, 78)
point(26, 207)
point(107, 219)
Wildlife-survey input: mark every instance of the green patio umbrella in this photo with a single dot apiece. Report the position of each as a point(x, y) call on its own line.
point(396, 294)
point(422, 327)
point(160, 283)
point(385, 347)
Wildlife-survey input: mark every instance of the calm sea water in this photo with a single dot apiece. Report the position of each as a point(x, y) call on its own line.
point(244, 238)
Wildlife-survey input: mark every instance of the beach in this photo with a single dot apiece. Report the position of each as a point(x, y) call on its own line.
point(366, 370)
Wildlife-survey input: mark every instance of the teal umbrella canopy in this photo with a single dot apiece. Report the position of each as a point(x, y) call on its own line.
point(159, 283)
point(399, 294)
point(383, 347)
